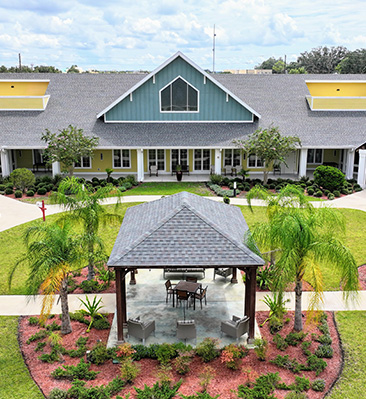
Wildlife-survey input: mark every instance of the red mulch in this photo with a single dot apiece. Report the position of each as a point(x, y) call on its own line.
point(83, 276)
point(362, 277)
point(224, 381)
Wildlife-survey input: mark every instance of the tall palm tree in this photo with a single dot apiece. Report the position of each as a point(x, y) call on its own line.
point(52, 251)
point(85, 206)
point(305, 239)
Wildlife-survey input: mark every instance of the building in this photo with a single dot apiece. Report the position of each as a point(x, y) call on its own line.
point(179, 114)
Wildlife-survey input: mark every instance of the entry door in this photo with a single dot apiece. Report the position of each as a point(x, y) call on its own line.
point(179, 157)
point(202, 159)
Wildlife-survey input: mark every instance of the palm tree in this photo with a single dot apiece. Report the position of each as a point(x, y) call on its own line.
point(305, 239)
point(86, 206)
point(52, 252)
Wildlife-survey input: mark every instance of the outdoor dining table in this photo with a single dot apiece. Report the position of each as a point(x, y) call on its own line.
point(188, 286)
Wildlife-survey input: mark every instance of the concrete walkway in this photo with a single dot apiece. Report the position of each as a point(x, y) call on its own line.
point(13, 213)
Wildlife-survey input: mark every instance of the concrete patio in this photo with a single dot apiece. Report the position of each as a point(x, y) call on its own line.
point(147, 300)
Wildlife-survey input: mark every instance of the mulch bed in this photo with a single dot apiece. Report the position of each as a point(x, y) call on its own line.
point(83, 276)
point(225, 379)
point(362, 277)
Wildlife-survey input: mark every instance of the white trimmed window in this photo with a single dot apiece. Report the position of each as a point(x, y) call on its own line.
point(179, 157)
point(83, 163)
point(179, 96)
point(121, 159)
point(202, 158)
point(315, 156)
point(232, 157)
point(255, 162)
point(157, 157)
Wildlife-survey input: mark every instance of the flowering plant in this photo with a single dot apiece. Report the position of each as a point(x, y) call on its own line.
point(125, 351)
point(232, 354)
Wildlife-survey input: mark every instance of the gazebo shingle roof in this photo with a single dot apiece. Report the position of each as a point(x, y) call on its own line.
point(183, 230)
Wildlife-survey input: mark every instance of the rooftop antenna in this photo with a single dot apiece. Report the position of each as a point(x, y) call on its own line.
point(213, 50)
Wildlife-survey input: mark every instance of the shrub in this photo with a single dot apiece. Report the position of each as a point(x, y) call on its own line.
point(280, 342)
point(80, 372)
point(129, 370)
point(231, 355)
point(99, 354)
point(275, 324)
point(131, 179)
point(10, 185)
point(287, 363)
point(330, 196)
point(40, 346)
point(37, 336)
point(57, 393)
point(296, 395)
point(324, 351)
point(41, 191)
point(329, 178)
point(30, 193)
point(101, 324)
point(53, 327)
point(318, 385)
point(208, 350)
point(89, 286)
point(226, 200)
point(2, 187)
point(127, 185)
point(294, 338)
point(22, 178)
point(316, 364)
point(122, 189)
point(324, 339)
point(33, 321)
point(162, 390)
point(261, 348)
point(318, 194)
point(165, 353)
point(206, 376)
point(9, 191)
point(18, 194)
point(262, 388)
point(182, 362)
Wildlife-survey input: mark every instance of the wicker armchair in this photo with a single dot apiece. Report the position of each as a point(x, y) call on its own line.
point(186, 329)
point(235, 327)
point(138, 329)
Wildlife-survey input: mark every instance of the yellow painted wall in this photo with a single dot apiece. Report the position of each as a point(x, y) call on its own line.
point(146, 154)
point(168, 165)
point(339, 103)
point(331, 156)
point(24, 158)
point(329, 89)
point(17, 88)
point(191, 160)
point(21, 103)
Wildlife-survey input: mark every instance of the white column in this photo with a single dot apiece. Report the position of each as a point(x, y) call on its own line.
point(5, 162)
point(140, 165)
point(56, 168)
point(303, 161)
point(361, 178)
point(350, 163)
point(218, 155)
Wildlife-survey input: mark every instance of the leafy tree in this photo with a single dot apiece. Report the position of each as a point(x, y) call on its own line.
point(267, 64)
point(279, 66)
point(86, 207)
point(68, 147)
point(73, 69)
point(322, 59)
point(22, 178)
point(46, 69)
point(305, 239)
point(270, 146)
point(52, 252)
point(354, 62)
point(300, 70)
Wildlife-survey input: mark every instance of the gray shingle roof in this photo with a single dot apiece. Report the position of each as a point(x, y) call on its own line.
point(183, 230)
point(280, 99)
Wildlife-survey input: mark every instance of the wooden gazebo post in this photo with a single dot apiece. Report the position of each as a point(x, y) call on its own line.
point(121, 301)
point(250, 298)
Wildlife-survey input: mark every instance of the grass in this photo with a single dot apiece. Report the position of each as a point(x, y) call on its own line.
point(351, 326)
point(15, 381)
point(12, 245)
point(169, 188)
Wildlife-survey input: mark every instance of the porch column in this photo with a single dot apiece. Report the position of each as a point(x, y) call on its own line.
point(218, 155)
point(361, 179)
point(121, 302)
point(350, 163)
point(56, 168)
point(303, 161)
point(140, 165)
point(250, 298)
point(5, 162)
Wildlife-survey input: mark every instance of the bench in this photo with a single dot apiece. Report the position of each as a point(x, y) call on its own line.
point(183, 270)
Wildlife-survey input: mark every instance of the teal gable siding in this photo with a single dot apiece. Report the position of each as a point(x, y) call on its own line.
point(145, 105)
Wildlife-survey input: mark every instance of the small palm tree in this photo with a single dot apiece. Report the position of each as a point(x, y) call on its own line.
point(91, 309)
point(86, 206)
point(304, 239)
point(52, 252)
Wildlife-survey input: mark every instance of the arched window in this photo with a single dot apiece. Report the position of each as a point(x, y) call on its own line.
point(179, 96)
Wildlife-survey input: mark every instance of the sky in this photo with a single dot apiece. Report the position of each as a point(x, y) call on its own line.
point(140, 35)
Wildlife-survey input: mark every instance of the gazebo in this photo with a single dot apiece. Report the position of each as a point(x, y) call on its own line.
point(181, 231)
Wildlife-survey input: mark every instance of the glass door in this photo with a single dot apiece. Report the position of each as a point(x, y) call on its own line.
point(202, 159)
point(157, 157)
point(179, 157)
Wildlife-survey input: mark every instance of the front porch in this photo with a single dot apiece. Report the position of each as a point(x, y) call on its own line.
point(147, 300)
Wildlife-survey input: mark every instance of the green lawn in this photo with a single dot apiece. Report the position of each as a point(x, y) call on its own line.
point(15, 381)
point(169, 188)
point(352, 384)
point(12, 245)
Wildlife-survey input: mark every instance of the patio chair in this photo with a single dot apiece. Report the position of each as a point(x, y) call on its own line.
point(191, 279)
point(138, 329)
point(223, 272)
point(228, 170)
point(235, 327)
point(154, 170)
point(212, 169)
point(182, 296)
point(201, 295)
point(186, 329)
point(169, 289)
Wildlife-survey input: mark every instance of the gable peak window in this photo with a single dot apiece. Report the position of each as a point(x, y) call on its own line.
point(179, 96)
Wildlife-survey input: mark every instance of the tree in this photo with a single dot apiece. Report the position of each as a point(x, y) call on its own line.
point(322, 59)
point(270, 146)
point(279, 66)
point(267, 64)
point(73, 69)
point(305, 239)
point(68, 147)
point(354, 62)
point(22, 178)
point(52, 252)
point(300, 70)
point(85, 207)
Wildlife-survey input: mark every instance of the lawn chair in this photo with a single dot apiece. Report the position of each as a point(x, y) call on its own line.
point(186, 329)
point(154, 170)
point(169, 289)
point(235, 327)
point(138, 329)
point(201, 295)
